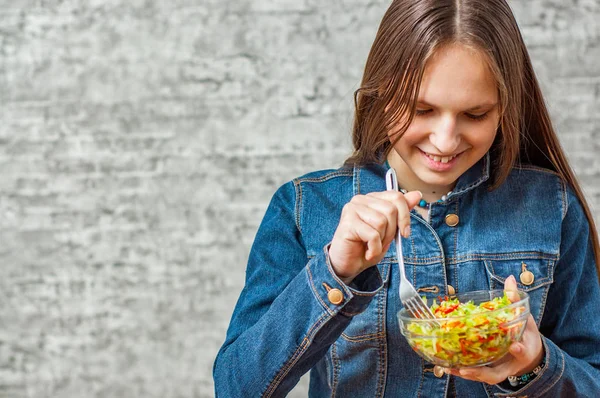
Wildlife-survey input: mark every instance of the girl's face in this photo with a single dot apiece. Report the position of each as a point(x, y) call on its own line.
point(455, 123)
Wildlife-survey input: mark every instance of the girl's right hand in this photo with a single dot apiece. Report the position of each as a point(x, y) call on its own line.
point(367, 228)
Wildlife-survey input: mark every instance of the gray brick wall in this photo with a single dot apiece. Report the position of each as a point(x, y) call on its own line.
point(140, 142)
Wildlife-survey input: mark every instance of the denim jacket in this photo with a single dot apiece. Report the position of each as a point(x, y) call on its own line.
point(287, 323)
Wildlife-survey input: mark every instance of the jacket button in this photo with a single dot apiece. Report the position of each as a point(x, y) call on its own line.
point(451, 290)
point(335, 296)
point(527, 278)
point(452, 220)
point(438, 371)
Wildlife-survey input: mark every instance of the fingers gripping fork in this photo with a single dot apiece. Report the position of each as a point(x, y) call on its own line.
point(408, 294)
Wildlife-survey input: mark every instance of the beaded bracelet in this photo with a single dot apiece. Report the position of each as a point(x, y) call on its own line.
point(527, 377)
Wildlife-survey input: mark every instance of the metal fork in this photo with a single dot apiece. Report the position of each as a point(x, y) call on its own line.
point(408, 295)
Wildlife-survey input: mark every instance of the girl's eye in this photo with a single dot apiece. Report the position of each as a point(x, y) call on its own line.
point(421, 112)
point(477, 117)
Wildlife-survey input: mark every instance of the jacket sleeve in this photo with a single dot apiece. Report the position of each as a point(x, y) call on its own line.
point(571, 322)
point(283, 322)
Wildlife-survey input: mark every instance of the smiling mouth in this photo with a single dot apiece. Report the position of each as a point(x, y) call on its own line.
point(442, 159)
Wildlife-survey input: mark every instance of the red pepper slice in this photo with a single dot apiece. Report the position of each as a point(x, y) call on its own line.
point(450, 308)
point(485, 340)
point(462, 346)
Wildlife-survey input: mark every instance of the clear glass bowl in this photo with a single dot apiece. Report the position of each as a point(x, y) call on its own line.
point(472, 340)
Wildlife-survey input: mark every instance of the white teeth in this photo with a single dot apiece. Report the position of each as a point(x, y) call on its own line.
point(443, 159)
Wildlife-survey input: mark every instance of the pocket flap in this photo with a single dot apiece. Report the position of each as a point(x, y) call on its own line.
point(541, 269)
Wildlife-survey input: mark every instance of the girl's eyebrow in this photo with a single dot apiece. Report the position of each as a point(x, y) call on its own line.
point(485, 105)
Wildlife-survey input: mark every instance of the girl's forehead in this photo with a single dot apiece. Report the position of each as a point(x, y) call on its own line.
point(458, 73)
point(458, 55)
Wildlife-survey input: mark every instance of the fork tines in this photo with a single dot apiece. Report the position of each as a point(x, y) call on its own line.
point(418, 309)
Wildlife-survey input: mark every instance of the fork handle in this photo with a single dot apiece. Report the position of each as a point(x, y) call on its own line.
point(391, 180)
point(391, 183)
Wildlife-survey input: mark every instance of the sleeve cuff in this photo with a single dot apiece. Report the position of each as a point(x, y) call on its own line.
point(337, 297)
point(550, 375)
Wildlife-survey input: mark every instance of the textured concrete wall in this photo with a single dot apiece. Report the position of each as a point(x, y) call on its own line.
point(140, 142)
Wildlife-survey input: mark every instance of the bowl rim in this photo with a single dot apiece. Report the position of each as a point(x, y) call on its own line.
point(524, 300)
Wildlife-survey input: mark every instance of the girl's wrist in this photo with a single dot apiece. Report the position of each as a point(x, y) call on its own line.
point(531, 372)
point(347, 279)
point(521, 380)
point(539, 359)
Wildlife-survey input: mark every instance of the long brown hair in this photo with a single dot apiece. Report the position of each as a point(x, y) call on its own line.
point(410, 33)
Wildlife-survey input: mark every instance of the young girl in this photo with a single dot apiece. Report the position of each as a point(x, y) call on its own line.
point(450, 101)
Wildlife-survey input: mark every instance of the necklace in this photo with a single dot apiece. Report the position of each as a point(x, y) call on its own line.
point(423, 203)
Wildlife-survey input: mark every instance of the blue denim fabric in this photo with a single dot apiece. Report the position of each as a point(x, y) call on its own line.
point(284, 325)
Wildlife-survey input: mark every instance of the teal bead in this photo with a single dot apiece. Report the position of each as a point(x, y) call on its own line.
point(422, 203)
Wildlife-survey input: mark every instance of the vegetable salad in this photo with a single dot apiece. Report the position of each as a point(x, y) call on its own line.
point(467, 334)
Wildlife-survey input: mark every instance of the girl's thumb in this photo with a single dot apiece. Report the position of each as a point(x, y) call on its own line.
point(516, 349)
point(413, 198)
point(510, 287)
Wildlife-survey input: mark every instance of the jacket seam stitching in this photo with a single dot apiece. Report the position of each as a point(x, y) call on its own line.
point(447, 385)
point(488, 390)
point(456, 284)
point(453, 387)
point(413, 247)
point(298, 205)
point(326, 177)
point(422, 379)
point(356, 180)
point(562, 371)
point(479, 181)
point(538, 169)
point(336, 368)
point(383, 344)
point(293, 359)
point(532, 255)
point(478, 256)
point(543, 306)
point(565, 204)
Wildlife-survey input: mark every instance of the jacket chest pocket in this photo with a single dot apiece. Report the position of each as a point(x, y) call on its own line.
point(533, 275)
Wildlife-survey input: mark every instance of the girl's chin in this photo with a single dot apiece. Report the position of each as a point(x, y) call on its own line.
point(438, 181)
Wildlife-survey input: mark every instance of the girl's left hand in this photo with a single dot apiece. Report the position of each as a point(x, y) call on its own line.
point(522, 358)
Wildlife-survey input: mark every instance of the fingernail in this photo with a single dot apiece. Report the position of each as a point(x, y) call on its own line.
point(406, 232)
point(420, 193)
point(511, 278)
point(516, 349)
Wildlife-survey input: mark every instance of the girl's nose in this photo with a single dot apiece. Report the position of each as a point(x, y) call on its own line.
point(445, 136)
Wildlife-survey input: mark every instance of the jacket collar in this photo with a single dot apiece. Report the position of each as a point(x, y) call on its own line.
point(371, 178)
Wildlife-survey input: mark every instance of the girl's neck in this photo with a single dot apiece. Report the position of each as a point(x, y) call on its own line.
point(409, 181)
